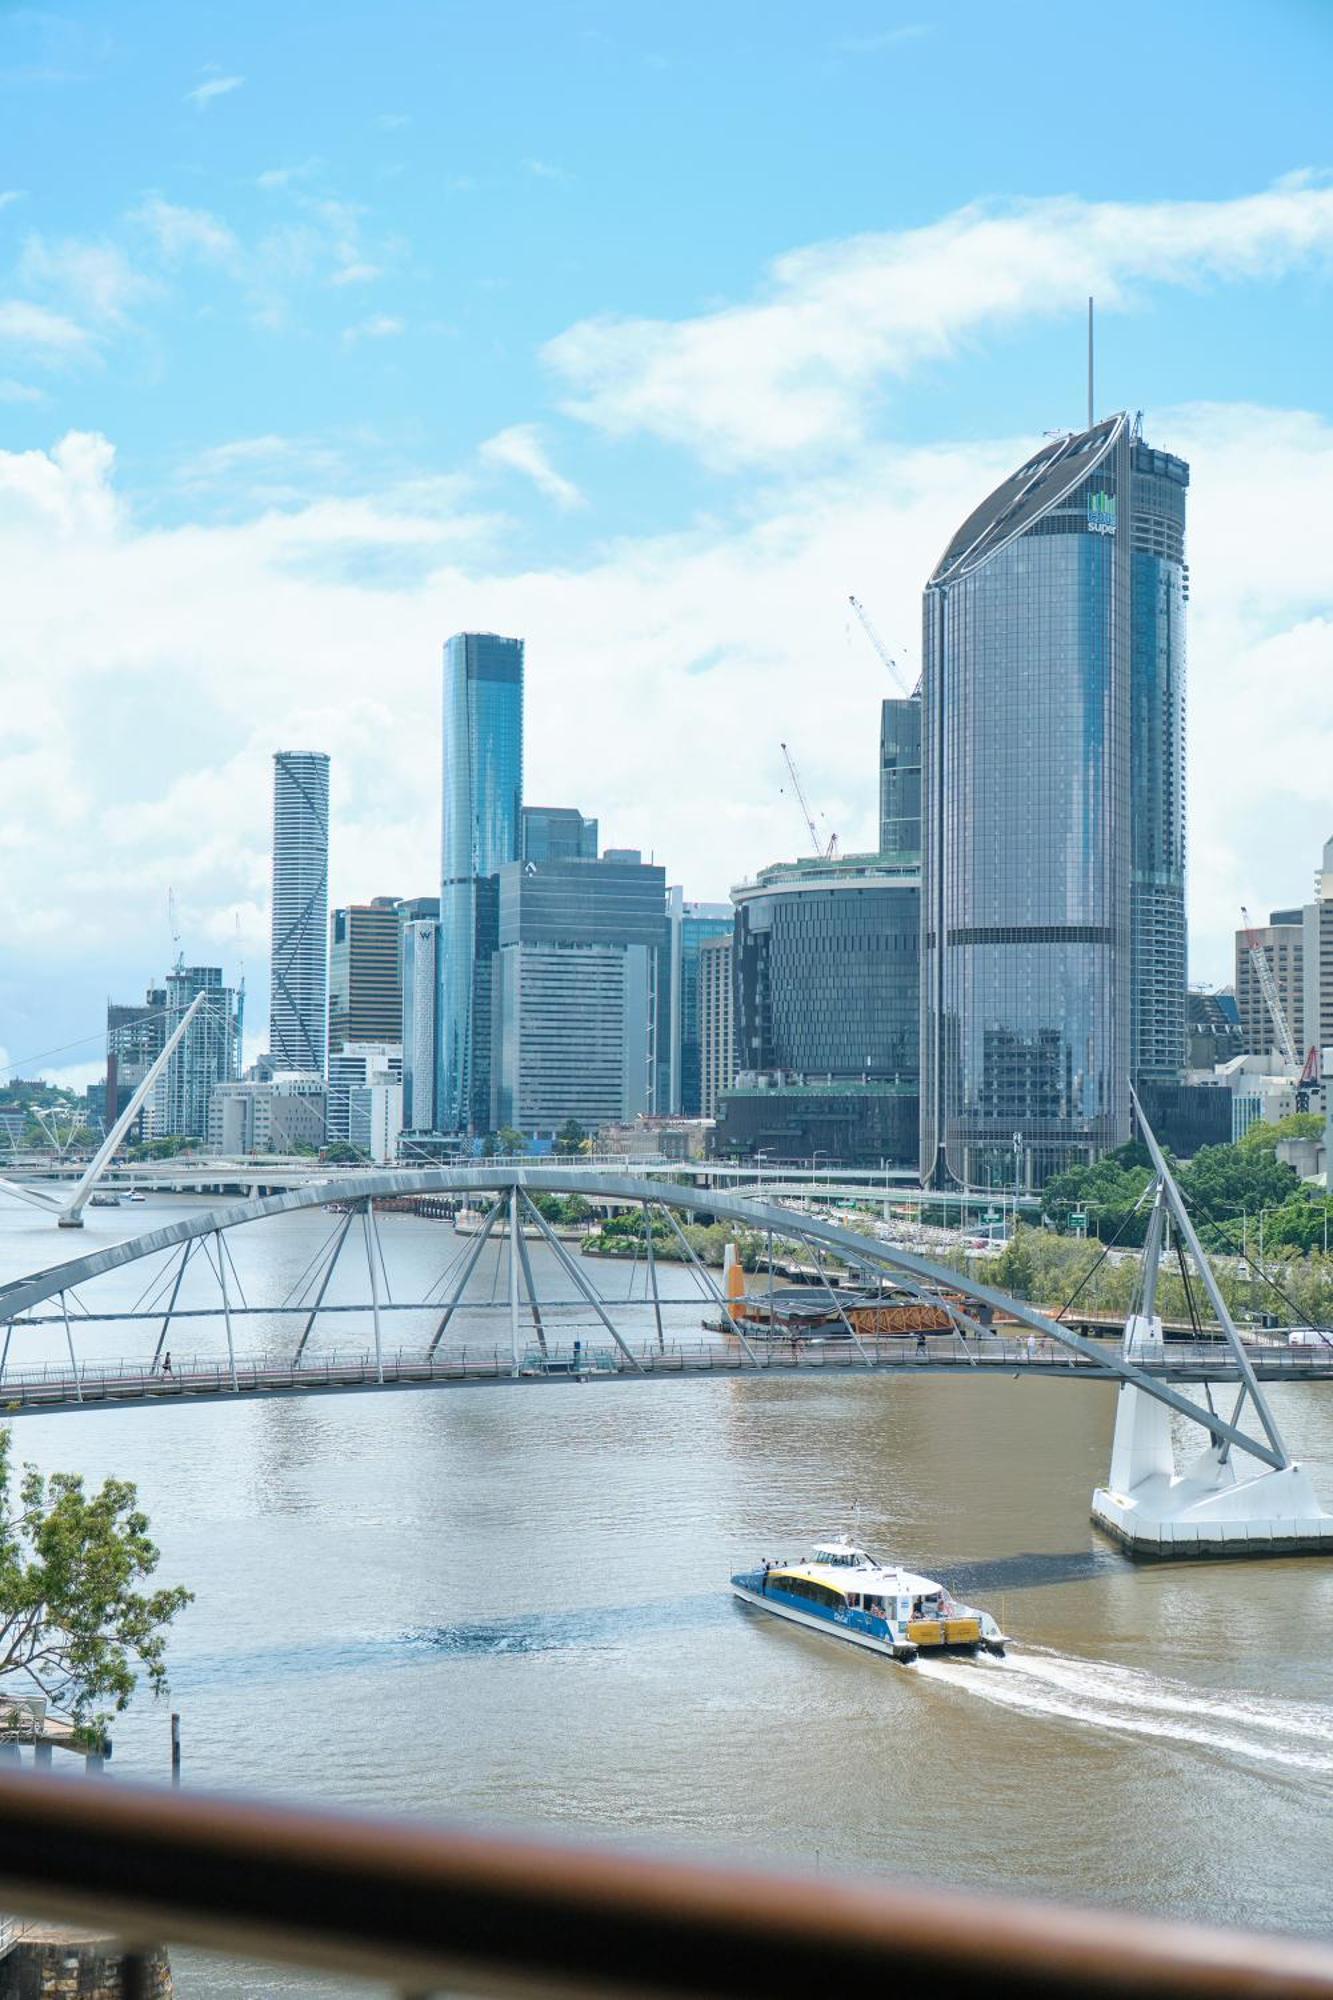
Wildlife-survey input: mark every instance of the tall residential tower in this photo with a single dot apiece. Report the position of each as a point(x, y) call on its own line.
point(298, 1000)
point(1053, 927)
point(482, 831)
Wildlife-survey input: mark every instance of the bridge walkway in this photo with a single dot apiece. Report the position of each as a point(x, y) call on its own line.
point(131, 1384)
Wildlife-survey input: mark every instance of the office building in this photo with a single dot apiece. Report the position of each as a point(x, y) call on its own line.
point(716, 1022)
point(826, 990)
point(365, 974)
point(900, 777)
point(557, 833)
point(135, 1037)
point(1282, 942)
point(1053, 811)
point(280, 1114)
point(1317, 960)
point(420, 984)
point(298, 1001)
point(208, 1054)
point(581, 961)
point(375, 1119)
point(355, 1066)
point(483, 791)
point(1213, 1033)
point(680, 1062)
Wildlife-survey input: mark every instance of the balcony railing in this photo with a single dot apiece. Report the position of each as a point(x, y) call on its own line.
point(428, 1909)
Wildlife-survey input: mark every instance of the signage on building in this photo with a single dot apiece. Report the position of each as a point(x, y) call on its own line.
point(1101, 513)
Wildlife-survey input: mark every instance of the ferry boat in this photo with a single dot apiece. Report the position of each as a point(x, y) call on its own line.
point(845, 1591)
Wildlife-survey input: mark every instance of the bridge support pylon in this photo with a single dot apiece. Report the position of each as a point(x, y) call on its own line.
point(1242, 1495)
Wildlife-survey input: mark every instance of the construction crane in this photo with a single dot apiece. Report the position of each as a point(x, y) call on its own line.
point(825, 852)
point(1263, 972)
point(885, 655)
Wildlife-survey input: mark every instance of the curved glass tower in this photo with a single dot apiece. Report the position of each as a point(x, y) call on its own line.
point(483, 797)
point(1053, 953)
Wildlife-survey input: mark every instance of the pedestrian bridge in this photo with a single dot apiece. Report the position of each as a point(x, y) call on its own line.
point(168, 1317)
point(202, 1379)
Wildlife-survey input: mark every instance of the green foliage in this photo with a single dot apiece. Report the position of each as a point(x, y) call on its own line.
point(567, 1209)
point(341, 1154)
point(1262, 1137)
point(72, 1618)
point(161, 1149)
point(1107, 1192)
point(571, 1138)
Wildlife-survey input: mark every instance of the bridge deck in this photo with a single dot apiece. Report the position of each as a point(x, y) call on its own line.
point(136, 1383)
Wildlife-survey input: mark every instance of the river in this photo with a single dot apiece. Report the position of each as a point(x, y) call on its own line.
point(510, 1605)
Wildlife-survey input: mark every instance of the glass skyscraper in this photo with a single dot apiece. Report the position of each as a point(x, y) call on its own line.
point(482, 831)
point(299, 971)
point(1053, 946)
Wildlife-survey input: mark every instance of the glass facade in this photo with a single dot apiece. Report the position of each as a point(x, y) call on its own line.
point(1053, 719)
point(1159, 588)
point(826, 970)
point(299, 967)
point(692, 925)
point(482, 827)
point(558, 833)
point(900, 778)
point(577, 979)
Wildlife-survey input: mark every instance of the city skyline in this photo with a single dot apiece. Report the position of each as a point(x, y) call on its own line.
point(283, 376)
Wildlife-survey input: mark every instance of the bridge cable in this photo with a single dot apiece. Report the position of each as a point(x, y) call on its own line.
point(1105, 1252)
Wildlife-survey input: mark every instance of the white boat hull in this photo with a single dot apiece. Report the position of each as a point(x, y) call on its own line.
point(893, 1649)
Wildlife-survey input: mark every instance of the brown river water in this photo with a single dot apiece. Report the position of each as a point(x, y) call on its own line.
point(510, 1605)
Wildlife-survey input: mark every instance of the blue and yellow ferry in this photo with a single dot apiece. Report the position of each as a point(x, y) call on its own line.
point(881, 1606)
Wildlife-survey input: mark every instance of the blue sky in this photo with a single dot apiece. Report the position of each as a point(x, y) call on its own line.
point(648, 333)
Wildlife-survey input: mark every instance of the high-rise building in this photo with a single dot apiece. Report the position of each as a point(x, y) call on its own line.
point(298, 1000)
point(1052, 810)
point(1317, 960)
point(578, 973)
point(826, 982)
point(134, 1040)
point(355, 1066)
point(421, 982)
point(716, 1023)
point(1213, 1028)
point(483, 792)
point(1282, 941)
point(679, 1059)
point(558, 833)
point(365, 976)
point(208, 1054)
point(900, 777)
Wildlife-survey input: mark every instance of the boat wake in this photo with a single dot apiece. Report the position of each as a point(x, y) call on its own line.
point(1095, 1694)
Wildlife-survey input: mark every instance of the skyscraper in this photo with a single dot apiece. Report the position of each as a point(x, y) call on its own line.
point(1053, 810)
point(679, 1061)
point(483, 792)
point(421, 992)
point(209, 1053)
point(578, 976)
point(558, 833)
point(900, 776)
point(365, 977)
point(300, 966)
point(716, 1022)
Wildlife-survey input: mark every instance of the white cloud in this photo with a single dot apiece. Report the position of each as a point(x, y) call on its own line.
point(50, 335)
point(98, 279)
point(356, 274)
point(544, 170)
point(8, 195)
point(798, 369)
point(186, 232)
point(216, 86)
point(520, 448)
point(19, 392)
point(380, 326)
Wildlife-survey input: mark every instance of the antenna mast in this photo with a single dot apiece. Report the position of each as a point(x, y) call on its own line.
point(1091, 418)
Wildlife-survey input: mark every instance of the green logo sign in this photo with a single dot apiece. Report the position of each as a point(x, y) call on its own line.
point(1101, 513)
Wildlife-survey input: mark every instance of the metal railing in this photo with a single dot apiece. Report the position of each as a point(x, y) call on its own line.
point(210, 1375)
point(425, 1909)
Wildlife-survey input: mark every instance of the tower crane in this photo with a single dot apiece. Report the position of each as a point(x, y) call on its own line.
point(825, 853)
point(1263, 972)
point(885, 655)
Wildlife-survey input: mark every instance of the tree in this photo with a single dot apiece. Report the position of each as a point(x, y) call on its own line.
point(571, 1138)
point(511, 1140)
point(73, 1620)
